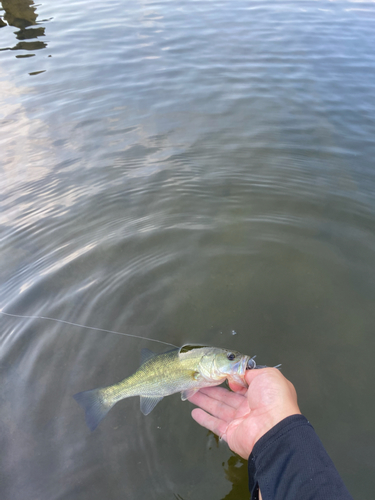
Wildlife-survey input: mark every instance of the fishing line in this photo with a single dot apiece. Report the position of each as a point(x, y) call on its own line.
point(87, 327)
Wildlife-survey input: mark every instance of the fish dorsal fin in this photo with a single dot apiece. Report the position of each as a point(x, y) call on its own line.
point(146, 355)
point(148, 404)
point(189, 347)
point(189, 351)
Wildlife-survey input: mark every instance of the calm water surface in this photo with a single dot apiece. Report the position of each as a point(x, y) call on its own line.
point(178, 170)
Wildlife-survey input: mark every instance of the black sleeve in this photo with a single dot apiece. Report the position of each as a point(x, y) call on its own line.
point(290, 463)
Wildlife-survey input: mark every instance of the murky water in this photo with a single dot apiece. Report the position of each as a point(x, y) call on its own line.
point(178, 170)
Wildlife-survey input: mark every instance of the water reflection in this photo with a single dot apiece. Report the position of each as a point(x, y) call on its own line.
point(236, 473)
point(226, 184)
point(22, 15)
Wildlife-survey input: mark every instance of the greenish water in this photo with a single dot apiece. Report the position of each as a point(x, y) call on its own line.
point(182, 170)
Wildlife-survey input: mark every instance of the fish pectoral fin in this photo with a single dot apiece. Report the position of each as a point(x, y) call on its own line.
point(149, 403)
point(188, 393)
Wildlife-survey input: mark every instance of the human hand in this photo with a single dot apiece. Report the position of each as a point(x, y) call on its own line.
point(244, 416)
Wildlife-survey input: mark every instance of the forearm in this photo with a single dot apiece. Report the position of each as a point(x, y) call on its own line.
point(290, 462)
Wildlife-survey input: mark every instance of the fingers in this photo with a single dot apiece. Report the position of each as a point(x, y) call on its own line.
point(251, 375)
point(219, 402)
point(269, 376)
point(220, 394)
point(271, 394)
point(210, 422)
point(216, 408)
point(240, 389)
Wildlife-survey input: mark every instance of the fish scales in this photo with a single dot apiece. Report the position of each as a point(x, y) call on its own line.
point(160, 376)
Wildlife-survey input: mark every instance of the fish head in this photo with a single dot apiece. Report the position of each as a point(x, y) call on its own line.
point(218, 364)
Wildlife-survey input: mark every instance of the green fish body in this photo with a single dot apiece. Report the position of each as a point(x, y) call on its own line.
point(186, 370)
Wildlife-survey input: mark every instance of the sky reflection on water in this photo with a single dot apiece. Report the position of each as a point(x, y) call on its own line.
point(178, 170)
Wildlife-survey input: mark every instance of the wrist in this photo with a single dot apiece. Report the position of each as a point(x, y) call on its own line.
point(270, 420)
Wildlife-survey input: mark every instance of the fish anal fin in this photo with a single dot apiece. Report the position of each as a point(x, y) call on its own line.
point(149, 403)
point(188, 393)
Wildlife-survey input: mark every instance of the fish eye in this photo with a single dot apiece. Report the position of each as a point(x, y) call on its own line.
point(231, 356)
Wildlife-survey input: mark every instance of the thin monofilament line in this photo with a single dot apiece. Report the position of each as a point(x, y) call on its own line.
point(87, 327)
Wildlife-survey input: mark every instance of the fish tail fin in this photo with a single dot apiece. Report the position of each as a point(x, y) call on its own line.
point(96, 406)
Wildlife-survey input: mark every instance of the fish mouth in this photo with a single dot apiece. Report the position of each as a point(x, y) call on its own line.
point(237, 372)
point(250, 363)
point(244, 364)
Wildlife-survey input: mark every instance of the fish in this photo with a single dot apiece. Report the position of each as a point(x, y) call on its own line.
point(185, 369)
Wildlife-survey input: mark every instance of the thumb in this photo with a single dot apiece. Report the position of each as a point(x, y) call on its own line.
point(251, 375)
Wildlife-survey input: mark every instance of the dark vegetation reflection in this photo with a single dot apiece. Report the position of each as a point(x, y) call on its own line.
point(22, 15)
point(235, 470)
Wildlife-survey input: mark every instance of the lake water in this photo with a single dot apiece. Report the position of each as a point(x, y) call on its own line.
point(182, 170)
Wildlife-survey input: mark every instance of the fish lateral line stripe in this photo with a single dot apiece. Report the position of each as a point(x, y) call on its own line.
point(87, 327)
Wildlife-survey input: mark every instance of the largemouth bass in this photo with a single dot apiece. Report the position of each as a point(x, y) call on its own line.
point(186, 370)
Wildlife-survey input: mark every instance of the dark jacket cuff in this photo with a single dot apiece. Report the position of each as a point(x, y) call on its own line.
point(290, 462)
